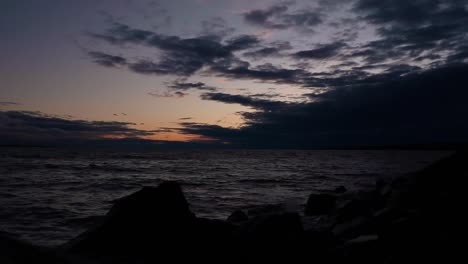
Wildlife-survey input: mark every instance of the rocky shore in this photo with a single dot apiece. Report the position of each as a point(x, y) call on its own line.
point(412, 218)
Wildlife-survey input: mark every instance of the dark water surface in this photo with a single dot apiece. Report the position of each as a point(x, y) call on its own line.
point(48, 196)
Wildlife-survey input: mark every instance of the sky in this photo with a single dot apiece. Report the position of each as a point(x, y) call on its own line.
point(257, 74)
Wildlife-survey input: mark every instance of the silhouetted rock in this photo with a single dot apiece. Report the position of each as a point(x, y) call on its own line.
point(237, 217)
point(279, 226)
point(340, 189)
point(364, 249)
point(365, 239)
point(352, 209)
point(353, 228)
point(140, 223)
point(269, 237)
point(318, 204)
point(267, 209)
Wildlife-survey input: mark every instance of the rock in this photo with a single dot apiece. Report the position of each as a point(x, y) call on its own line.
point(364, 249)
point(237, 217)
point(319, 204)
point(352, 228)
point(215, 232)
point(362, 240)
point(268, 209)
point(362, 205)
point(316, 223)
point(269, 237)
point(152, 224)
point(158, 214)
point(276, 227)
point(340, 189)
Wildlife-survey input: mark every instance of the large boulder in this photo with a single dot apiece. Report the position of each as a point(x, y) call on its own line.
point(416, 217)
point(269, 237)
point(278, 226)
point(267, 209)
point(340, 189)
point(152, 222)
point(319, 204)
point(238, 217)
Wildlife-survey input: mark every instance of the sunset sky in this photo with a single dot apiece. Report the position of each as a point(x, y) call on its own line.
point(250, 73)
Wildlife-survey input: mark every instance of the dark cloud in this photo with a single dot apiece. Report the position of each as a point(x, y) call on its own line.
point(419, 107)
point(18, 127)
point(274, 49)
point(266, 72)
point(181, 56)
point(277, 17)
point(180, 94)
point(250, 101)
point(411, 29)
point(263, 53)
point(175, 64)
point(261, 17)
point(241, 42)
point(107, 60)
point(8, 103)
point(167, 94)
point(216, 27)
point(303, 19)
point(411, 13)
point(265, 95)
point(323, 51)
point(184, 86)
point(203, 46)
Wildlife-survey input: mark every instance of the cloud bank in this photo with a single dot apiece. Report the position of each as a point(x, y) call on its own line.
point(402, 84)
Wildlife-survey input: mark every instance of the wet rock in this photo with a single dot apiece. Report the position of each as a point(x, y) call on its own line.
point(238, 217)
point(319, 204)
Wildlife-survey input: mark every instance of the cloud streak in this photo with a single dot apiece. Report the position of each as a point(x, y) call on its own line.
point(18, 127)
point(5, 103)
point(277, 17)
point(181, 56)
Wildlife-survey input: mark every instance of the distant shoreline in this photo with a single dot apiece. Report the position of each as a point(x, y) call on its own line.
point(454, 146)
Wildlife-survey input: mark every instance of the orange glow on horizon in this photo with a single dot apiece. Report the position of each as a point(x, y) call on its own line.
point(173, 136)
point(164, 136)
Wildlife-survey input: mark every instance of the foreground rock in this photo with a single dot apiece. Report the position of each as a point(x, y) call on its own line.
point(147, 225)
point(412, 219)
point(319, 204)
